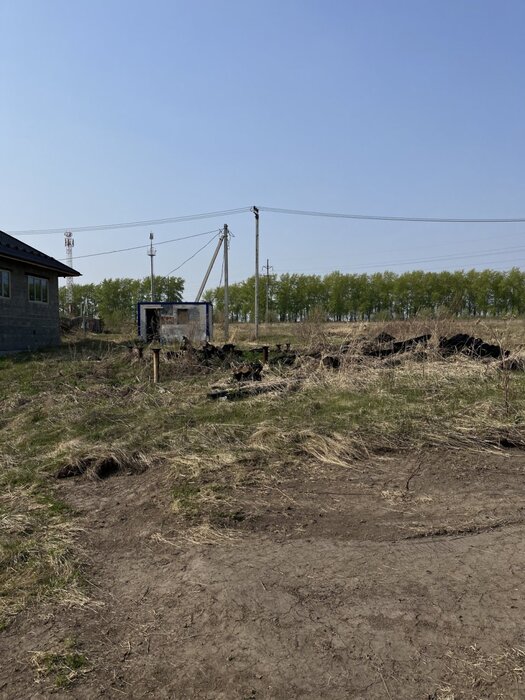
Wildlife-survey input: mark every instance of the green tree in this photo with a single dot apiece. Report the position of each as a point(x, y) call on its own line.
point(115, 300)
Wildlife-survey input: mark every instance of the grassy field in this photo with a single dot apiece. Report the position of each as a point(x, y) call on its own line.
point(91, 407)
point(91, 400)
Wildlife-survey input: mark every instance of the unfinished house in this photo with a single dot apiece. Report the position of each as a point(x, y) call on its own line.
point(29, 315)
point(169, 322)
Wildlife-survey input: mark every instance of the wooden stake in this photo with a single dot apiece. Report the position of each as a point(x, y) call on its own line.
point(156, 364)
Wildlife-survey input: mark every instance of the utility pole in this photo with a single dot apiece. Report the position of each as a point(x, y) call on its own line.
point(267, 268)
point(226, 236)
point(210, 266)
point(255, 211)
point(69, 242)
point(151, 252)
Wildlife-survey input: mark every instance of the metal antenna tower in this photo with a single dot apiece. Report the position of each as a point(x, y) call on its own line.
point(69, 242)
point(151, 252)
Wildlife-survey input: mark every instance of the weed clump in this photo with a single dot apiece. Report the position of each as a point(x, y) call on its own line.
point(62, 666)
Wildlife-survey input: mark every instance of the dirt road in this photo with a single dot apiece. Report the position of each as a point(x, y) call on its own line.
point(403, 578)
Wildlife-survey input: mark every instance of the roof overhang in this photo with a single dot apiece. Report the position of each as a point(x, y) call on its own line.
point(61, 271)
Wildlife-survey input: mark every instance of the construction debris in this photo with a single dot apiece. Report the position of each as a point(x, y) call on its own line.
point(469, 345)
point(383, 348)
point(284, 358)
point(331, 361)
point(249, 371)
point(384, 338)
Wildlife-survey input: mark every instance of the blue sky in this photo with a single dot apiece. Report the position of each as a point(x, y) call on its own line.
point(118, 111)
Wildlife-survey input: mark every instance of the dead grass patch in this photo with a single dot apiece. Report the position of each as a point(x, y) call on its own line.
point(38, 553)
point(482, 672)
point(103, 465)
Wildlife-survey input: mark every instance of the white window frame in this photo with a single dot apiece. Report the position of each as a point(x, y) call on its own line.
point(41, 284)
point(2, 273)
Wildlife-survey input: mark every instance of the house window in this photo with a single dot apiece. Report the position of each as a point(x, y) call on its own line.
point(5, 284)
point(183, 316)
point(38, 289)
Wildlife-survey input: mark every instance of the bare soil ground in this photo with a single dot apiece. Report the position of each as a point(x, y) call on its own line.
point(399, 577)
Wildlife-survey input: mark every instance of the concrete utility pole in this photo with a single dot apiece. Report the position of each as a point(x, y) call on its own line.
point(226, 236)
point(255, 210)
point(210, 266)
point(69, 242)
point(267, 268)
point(151, 252)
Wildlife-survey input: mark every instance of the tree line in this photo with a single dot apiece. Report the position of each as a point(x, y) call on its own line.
point(336, 296)
point(381, 295)
point(115, 300)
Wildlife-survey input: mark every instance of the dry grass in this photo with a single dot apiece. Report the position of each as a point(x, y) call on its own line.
point(480, 672)
point(338, 418)
point(38, 553)
point(100, 463)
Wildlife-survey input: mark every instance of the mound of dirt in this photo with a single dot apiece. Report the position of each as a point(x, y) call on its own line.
point(467, 344)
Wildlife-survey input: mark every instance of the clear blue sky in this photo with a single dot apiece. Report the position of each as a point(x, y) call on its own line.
point(122, 110)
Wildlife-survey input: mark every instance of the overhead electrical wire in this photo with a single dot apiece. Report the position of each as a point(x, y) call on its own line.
point(131, 224)
point(388, 268)
point(192, 256)
point(273, 210)
point(441, 258)
point(374, 217)
point(512, 261)
point(137, 247)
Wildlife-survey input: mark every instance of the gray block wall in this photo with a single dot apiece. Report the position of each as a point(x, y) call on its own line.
point(198, 329)
point(28, 325)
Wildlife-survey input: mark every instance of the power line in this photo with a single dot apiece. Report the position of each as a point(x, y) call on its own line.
point(514, 262)
point(131, 224)
point(441, 258)
point(194, 254)
point(274, 210)
point(440, 246)
point(373, 217)
point(138, 247)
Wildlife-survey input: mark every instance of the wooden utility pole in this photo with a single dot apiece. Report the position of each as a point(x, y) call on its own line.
point(255, 210)
point(226, 235)
point(267, 268)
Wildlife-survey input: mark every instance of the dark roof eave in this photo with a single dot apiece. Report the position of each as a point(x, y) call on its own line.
point(13, 249)
point(61, 270)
